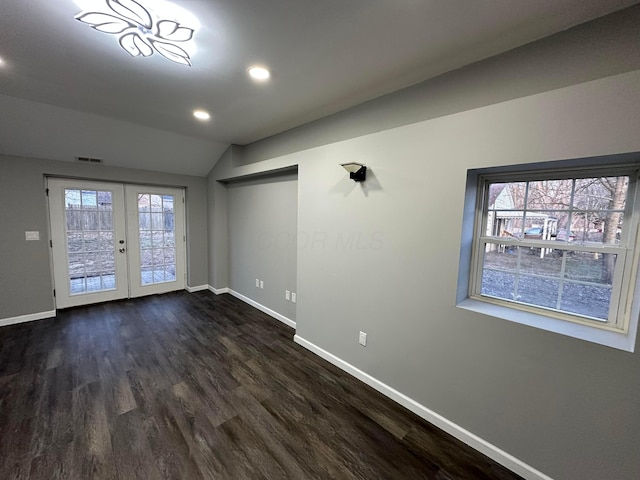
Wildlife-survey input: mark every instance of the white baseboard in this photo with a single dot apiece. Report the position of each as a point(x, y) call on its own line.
point(27, 318)
point(262, 308)
point(219, 291)
point(491, 451)
point(197, 288)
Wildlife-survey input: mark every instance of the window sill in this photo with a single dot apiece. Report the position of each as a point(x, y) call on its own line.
point(617, 340)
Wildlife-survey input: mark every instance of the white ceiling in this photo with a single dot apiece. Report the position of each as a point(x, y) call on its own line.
point(88, 97)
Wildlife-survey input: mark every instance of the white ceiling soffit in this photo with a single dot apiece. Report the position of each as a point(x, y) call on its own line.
point(324, 56)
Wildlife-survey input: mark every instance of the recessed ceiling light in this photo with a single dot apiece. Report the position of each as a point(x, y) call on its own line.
point(1, 62)
point(201, 115)
point(259, 73)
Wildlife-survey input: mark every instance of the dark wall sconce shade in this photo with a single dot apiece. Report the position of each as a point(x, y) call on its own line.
point(357, 171)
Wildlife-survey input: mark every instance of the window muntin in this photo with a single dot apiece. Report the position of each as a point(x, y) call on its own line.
point(559, 244)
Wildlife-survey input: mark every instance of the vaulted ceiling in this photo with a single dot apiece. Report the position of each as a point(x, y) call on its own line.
point(68, 89)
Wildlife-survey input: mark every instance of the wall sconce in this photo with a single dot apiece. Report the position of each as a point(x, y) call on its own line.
point(357, 171)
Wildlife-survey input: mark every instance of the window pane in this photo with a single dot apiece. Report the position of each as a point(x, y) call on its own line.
point(145, 239)
point(74, 219)
point(601, 193)
point(108, 261)
point(157, 238)
point(170, 273)
point(108, 280)
point(158, 256)
point(169, 239)
point(549, 195)
point(90, 220)
point(590, 267)
point(539, 291)
point(522, 274)
point(106, 221)
point(146, 258)
point(106, 241)
point(158, 275)
point(156, 203)
point(74, 242)
point(105, 201)
point(144, 203)
point(589, 300)
point(93, 263)
point(77, 285)
point(169, 221)
point(509, 196)
point(89, 199)
point(541, 262)
point(76, 265)
point(169, 255)
point(144, 221)
point(146, 276)
point(167, 201)
point(72, 198)
point(91, 241)
point(499, 271)
point(157, 221)
point(563, 280)
point(596, 227)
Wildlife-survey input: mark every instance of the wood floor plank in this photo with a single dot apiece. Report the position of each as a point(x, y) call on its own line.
point(55, 464)
point(199, 387)
point(92, 450)
point(133, 457)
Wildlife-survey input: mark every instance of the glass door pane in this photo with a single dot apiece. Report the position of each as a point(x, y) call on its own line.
point(156, 231)
point(91, 243)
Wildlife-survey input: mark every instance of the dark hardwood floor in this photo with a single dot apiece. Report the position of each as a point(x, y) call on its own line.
point(198, 386)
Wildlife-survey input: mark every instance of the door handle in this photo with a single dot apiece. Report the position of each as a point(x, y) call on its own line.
point(121, 250)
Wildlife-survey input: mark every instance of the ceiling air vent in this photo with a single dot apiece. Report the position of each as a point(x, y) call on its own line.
point(89, 160)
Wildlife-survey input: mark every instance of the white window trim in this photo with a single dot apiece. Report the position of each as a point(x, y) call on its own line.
point(620, 335)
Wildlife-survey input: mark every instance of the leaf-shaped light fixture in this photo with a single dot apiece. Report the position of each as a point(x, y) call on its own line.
point(135, 46)
point(170, 30)
point(132, 10)
point(140, 31)
point(171, 52)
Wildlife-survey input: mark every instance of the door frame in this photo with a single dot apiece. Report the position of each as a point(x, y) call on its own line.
point(105, 184)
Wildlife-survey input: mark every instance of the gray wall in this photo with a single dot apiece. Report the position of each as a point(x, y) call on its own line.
point(217, 226)
point(262, 216)
point(384, 256)
point(25, 275)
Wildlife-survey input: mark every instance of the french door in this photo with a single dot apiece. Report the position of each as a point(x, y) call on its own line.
point(113, 241)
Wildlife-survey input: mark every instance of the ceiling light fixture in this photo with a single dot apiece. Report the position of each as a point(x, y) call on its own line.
point(259, 73)
point(142, 31)
point(201, 115)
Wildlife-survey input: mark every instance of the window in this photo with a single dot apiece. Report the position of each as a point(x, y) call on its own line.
point(557, 247)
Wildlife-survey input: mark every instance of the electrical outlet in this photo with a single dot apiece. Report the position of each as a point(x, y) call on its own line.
point(362, 340)
point(262, 284)
point(287, 295)
point(257, 283)
point(293, 297)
